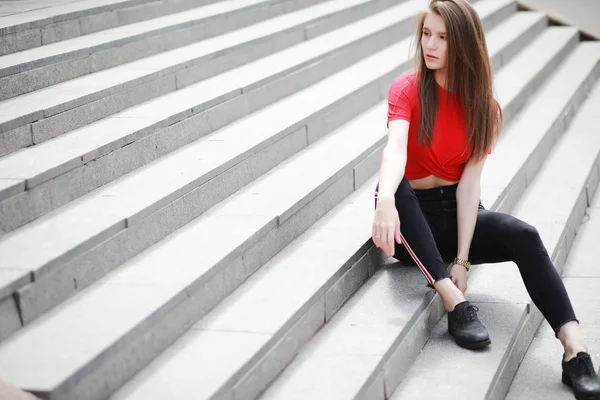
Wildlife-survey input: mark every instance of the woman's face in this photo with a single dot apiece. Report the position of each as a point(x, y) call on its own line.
point(433, 42)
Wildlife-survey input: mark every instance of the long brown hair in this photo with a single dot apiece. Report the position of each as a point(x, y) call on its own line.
point(469, 74)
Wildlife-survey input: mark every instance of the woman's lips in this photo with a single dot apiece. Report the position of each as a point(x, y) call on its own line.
point(431, 57)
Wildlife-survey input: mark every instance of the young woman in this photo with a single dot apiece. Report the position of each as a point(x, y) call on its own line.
point(442, 122)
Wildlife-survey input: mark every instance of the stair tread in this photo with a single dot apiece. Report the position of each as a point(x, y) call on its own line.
point(539, 373)
point(68, 48)
point(146, 285)
point(11, 279)
point(136, 193)
point(40, 17)
point(536, 118)
point(35, 56)
point(293, 382)
point(374, 316)
point(63, 96)
point(250, 321)
point(81, 143)
point(543, 187)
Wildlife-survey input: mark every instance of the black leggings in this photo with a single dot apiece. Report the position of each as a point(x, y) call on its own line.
point(428, 223)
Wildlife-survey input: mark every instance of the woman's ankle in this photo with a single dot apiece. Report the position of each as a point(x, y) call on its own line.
point(572, 340)
point(450, 294)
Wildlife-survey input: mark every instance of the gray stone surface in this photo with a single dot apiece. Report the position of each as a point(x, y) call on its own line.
point(88, 226)
point(579, 13)
point(254, 267)
point(584, 154)
point(9, 314)
point(10, 187)
point(441, 357)
point(520, 30)
point(100, 177)
point(552, 229)
point(540, 370)
point(193, 68)
point(11, 279)
point(272, 126)
point(15, 139)
point(120, 45)
point(34, 79)
point(60, 31)
point(355, 341)
point(533, 65)
point(583, 260)
point(79, 342)
point(279, 355)
point(541, 119)
point(19, 41)
point(220, 270)
point(179, 363)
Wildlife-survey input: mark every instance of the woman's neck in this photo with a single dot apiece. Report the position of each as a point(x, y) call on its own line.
point(441, 77)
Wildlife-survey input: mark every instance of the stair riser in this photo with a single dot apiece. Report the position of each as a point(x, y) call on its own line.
point(68, 116)
point(516, 46)
point(399, 361)
point(141, 345)
point(403, 355)
point(58, 28)
point(35, 299)
point(511, 195)
point(100, 168)
point(72, 115)
point(109, 163)
point(281, 350)
point(31, 76)
point(519, 102)
point(532, 317)
point(110, 249)
point(55, 29)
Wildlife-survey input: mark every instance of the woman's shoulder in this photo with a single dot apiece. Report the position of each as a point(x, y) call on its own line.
point(405, 84)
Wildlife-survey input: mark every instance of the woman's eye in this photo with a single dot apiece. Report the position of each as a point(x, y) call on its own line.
point(443, 37)
point(426, 33)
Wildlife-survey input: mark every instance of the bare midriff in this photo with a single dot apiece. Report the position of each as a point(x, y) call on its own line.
point(429, 182)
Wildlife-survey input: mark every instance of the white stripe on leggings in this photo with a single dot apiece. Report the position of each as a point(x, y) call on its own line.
point(419, 263)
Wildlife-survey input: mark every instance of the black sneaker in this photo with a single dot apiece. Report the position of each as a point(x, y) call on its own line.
point(465, 327)
point(579, 374)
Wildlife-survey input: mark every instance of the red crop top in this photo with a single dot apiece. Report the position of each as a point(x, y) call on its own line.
point(448, 153)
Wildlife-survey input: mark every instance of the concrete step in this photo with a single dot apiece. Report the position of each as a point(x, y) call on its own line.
point(47, 113)
point(240, 346)
point(28, 24)
point(105, 335)
point(539, 373)
point(41, 67)
point(46, 176)
point(396, 336)
point(109, 221)
point(64, 107)
point(497, 290)
point(204, 173)
point(376, 336)
point(54, 168)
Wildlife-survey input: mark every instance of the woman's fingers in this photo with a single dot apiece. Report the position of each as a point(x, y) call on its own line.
point(389, 241)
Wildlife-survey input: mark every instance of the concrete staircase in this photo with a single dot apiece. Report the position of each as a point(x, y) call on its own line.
point(186, 193)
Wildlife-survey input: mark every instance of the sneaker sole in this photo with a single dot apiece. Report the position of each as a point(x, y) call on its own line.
point(476, 345)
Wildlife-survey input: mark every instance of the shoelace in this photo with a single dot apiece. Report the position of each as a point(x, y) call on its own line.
point(584, 366)
point(469, 313)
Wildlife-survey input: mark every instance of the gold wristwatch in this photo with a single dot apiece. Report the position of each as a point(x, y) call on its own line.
point(463, 262)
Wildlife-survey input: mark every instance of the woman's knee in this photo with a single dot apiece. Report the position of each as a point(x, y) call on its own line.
point(525, 237)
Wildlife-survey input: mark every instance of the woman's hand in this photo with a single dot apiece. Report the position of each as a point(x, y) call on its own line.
point(386, 225)
point(459, 277)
